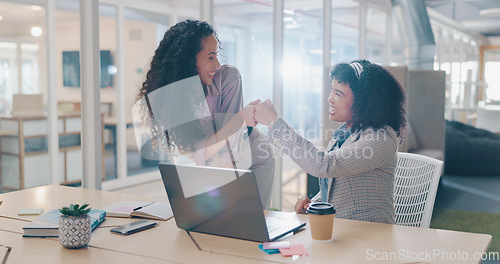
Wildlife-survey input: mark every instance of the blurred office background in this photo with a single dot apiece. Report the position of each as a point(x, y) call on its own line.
point(283, 48)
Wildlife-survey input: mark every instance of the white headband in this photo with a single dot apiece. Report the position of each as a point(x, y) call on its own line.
point(358, 69)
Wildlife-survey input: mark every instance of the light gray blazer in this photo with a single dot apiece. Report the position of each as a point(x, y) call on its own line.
point(361, 172)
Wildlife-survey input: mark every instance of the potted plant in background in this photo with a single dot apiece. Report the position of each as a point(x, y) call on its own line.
point(74, 226)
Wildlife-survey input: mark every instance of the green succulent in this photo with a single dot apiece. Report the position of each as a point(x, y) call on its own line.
point(75, 210)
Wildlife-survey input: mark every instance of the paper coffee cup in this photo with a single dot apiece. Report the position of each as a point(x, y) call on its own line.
point(321, 221)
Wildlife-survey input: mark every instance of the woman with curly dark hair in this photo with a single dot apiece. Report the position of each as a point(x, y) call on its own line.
point(356, 171)
point(187, 50)
point(179, 56)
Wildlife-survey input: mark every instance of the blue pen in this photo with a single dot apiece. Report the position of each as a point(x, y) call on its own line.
point(140, 207)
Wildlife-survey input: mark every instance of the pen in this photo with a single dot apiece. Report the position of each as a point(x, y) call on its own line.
point(140, 207)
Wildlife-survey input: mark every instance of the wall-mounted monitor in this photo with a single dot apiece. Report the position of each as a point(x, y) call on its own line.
point(71, 69)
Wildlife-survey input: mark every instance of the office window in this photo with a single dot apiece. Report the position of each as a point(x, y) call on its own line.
point(302, 84)
point(245, 29)
point(376, 25)
point(30, 69)
point(246, 34)
point(345, 28)
point(30, 72)
point(397, 46)
point(455, 82)
point(8, 70)
point(4, 79)
point(471, 82)
point(457, 54)
point(491, 77)
point(303, 67)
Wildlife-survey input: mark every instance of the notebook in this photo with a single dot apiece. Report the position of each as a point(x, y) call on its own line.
point(151, 210)
point(222, 202)
point(47, 225)
point(27, 105)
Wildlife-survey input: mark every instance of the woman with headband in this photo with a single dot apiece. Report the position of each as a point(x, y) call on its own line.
point(356, 170)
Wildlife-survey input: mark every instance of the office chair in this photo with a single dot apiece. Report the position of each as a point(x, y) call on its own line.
point(415, 187)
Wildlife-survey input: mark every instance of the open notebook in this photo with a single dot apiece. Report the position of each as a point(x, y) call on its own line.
point(151, 210)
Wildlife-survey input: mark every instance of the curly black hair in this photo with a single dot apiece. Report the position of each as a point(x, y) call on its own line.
point(175, 57)
point(175, 60)
point(378, 97)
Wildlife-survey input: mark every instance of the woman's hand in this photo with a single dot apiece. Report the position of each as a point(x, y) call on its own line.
point(302, 204)
point(265, 113)
point(248, 113)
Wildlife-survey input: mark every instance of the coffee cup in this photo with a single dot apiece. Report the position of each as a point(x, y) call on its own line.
point(321, 221)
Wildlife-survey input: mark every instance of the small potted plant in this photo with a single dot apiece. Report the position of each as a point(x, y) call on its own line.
point(74, 226)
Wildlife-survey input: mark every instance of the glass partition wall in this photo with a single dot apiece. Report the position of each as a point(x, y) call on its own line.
point(143, 31)
point(23, 141)
point(130, 32)
point(246, 31)
point(345, 31)
point(376, 25)
point(458, 55)
point(246, 34)
point(110, 87)
point(491, 69)
point(302, 85)
point(23, 60)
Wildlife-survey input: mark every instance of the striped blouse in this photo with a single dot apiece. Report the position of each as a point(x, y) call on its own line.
point(361, 172)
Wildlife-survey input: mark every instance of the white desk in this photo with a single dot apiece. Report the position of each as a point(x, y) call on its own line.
point(42, 250)
point(358, 242)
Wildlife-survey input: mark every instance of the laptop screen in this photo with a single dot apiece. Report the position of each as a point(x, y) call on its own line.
point(231, 207)
point(195, 181)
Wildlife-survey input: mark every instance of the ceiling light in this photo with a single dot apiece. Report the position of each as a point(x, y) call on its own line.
point(490, 12)
point(1, 18)
point(36, 31)
point(319, 51)
point(112, 70)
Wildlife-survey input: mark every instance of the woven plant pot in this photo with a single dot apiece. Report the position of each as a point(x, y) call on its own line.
point(74, 231)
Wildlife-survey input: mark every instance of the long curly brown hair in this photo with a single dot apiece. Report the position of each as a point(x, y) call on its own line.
point(175, 57)
point(174, 60)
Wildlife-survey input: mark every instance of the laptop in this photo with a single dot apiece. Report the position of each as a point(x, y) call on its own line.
point(222, 202)
point(27, 105)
